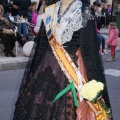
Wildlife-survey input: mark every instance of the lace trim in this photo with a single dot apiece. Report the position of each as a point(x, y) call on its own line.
point(75, 23)
point(71, 21)
point(86, 16)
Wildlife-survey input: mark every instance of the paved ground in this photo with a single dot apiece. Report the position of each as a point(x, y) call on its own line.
point(112, 71)
point(11, 63)
point(9, 86)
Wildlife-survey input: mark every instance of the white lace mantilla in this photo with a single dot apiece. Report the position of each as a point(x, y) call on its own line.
point(86, 15)
point(70, 22)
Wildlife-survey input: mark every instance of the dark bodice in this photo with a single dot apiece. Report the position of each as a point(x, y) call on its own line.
point(72, 45)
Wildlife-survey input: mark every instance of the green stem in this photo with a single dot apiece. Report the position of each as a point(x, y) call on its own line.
point(105, 107)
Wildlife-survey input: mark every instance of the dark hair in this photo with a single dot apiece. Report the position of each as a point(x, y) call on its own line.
point(108, 5)
point(49, 2)
point(95, 4)
point(31, 7)
point(33, 3)
point(85, 2)
point(99, 4)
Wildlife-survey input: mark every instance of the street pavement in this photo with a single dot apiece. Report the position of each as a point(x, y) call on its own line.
point(13, 63)
point(11, 76)
point(112, 73)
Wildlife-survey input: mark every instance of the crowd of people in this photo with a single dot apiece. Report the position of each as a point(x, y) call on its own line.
point(35, 13)
point(20, 9)
point(102, 14)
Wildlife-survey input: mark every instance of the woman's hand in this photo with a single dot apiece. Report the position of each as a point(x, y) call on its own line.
point(11, 2)
point(11, 29)
point(4, 29)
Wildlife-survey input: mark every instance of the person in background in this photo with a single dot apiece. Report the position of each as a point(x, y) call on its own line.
point(38, 23)
point(99, 1)
point(39, 5)
point(99, 8)
point(104, 9)
point(39, 19)
point(106, 13)
point(94, 9)
point(6, 5)
point(20, 8)
point(33, 15)
point(101, 41)
point(112, 40)
point(109, 9)
point(36, 18)
point(43, 5)
point(7, 34)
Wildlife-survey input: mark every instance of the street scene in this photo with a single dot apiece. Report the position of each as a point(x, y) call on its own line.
point(15, 51)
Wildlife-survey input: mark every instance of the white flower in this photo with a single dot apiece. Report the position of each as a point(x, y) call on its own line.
point(90, 90)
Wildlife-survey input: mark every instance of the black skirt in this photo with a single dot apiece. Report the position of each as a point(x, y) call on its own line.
point(36, 102)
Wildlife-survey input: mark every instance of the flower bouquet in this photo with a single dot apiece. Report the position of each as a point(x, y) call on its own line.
point(92, 91)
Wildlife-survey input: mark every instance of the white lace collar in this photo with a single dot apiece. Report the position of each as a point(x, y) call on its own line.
point(70, 22)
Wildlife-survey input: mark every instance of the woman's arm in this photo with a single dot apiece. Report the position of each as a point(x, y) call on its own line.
point(90, 51)
point(38, 23)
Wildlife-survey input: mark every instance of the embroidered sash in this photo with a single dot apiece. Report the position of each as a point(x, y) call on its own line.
point(69, 69)
point(66, 63)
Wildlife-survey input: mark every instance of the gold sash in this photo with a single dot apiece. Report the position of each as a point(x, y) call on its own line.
point(69, 69)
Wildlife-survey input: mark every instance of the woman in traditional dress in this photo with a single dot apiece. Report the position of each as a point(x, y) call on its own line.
point(66, 49)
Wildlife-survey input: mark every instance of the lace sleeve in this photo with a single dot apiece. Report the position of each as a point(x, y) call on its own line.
point(86, 15)
point(90, 53)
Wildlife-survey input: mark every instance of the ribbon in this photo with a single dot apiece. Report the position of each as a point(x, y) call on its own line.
point(71, 86)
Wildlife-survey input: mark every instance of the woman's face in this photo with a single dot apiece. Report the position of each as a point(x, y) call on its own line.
point(43, 3)
point(95, 7)
point(35, 6)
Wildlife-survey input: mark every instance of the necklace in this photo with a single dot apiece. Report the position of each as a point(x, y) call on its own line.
point(60, 10)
